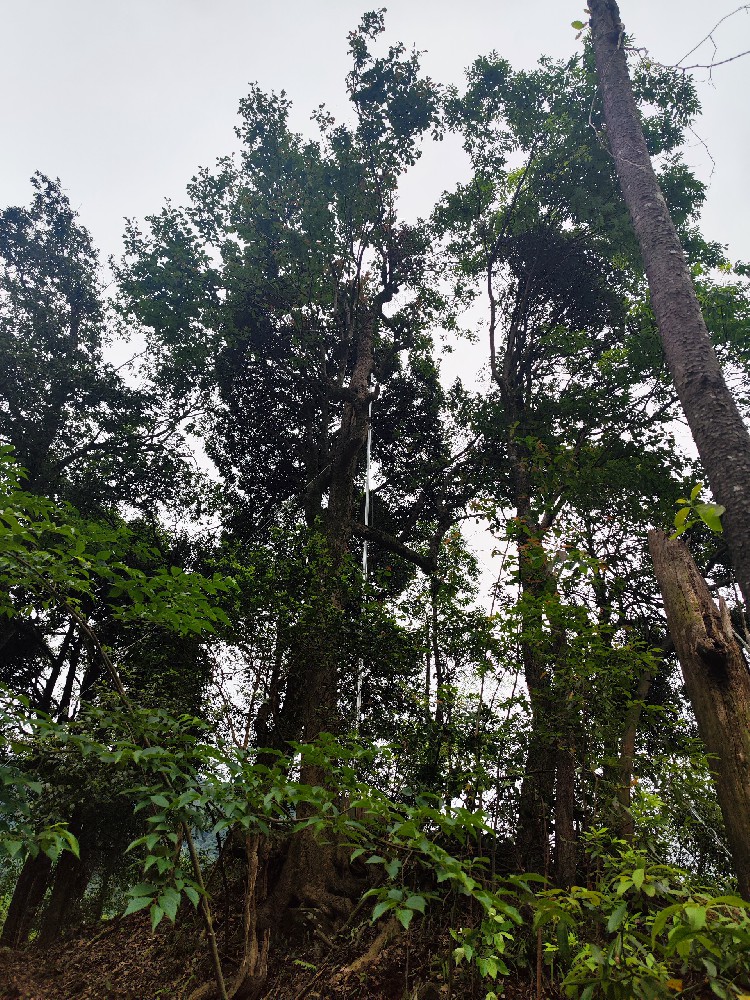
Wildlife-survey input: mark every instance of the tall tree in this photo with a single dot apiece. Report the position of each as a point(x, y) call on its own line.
point(715, 422)
point(577, 391)
point(81, 431)
point(293, 294)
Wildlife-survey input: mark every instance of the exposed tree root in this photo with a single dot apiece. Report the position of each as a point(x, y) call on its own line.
point(314, 893)
point(391, 929)
point(315, 887)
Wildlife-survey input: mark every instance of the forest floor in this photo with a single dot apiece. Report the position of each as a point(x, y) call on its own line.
point(122, 959)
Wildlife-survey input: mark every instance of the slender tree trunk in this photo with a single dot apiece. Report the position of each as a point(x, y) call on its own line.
point(437, 657)
point(427, 675)
point(430, 773)
point(565, 797)
point(538, 786)
point(63, 709)
point(717, 681)
point(627, 755)
point(45, 702)
point(716, 425)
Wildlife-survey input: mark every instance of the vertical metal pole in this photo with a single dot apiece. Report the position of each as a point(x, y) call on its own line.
point(360, 662)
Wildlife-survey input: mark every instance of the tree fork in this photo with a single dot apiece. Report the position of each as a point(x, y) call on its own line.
point(717, 681)
point(715, 422)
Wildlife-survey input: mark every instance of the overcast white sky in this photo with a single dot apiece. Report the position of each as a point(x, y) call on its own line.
point(124, 99)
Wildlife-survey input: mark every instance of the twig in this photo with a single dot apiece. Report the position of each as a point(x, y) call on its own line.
point(709, 36)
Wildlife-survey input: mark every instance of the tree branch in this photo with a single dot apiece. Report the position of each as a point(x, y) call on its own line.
point(426, 563)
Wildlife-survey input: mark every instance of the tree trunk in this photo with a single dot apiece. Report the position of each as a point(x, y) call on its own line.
point(45, 701)
point(311, 701)
point(27, 895)
point(63, 709)
point(540, 654)
point(627, 755)
point(70, 881)
point(719, 433)
point(72, 876)
point(717, 681)
point(565, 797)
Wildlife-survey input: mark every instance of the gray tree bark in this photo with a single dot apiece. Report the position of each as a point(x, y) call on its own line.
point(715, 422)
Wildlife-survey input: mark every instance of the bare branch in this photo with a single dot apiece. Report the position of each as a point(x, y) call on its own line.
point(426, 563)
point(709, 38)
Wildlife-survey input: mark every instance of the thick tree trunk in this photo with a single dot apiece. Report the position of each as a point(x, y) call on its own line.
point(70, 881)
point(717, 681)
point(29, 891)
point(72, 876)
point(535, 806)
point(311, 703)
point(716, 425)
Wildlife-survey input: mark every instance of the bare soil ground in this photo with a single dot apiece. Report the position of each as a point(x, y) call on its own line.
point(123, 960)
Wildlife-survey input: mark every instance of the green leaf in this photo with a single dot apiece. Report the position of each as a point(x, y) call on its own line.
point(710, 967)
point(638, 876)
point(143, 889)
point(380, 908)
point(72, 842)
point(192, 894)
point(156, 916)
point(405, 917)
point(393, 868)
point(416, 903)
point(695, 492)
point(662, 918)
point(681, 517)
point(139, 903)
point(696, 916)
point(710, 514)
point(578, 25)
point(53, 851)
point(616, 917)
point(169, 901)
